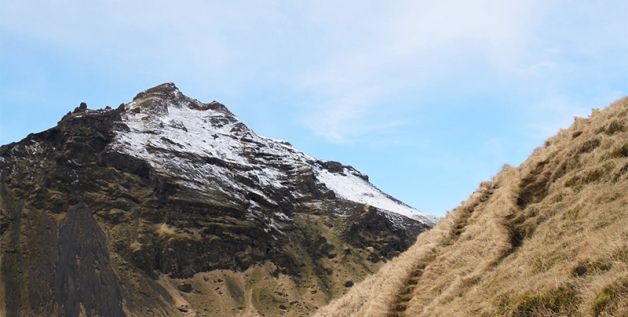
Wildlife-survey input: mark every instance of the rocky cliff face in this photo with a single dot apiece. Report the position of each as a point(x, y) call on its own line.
point(167, 206)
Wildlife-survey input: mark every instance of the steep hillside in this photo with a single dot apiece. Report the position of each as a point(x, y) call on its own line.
point(548, 238)
point(167, 206)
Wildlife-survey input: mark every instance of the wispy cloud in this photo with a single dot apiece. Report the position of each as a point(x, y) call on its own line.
point(461, 85)
point(346, 59)
point(392, 50)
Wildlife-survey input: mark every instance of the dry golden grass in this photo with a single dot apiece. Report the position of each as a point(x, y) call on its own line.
point(548, 238)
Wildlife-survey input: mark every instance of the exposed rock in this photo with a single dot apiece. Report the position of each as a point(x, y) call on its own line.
point(113, 212)
point(185, 287)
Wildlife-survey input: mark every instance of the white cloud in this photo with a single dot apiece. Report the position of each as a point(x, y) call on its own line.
point(158, 36)
point(391, 50)
point(347, 58)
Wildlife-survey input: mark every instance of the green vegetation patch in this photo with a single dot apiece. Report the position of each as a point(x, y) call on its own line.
point(267, 302)
point(607, 301)
point(563, 300)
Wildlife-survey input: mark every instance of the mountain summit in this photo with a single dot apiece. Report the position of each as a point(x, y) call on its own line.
point(167, 206)
point(177, 135)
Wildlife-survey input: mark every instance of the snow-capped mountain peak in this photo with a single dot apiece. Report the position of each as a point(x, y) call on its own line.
point(164, 190)
point(210, 150)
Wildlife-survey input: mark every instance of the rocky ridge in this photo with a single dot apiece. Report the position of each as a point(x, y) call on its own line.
point(168, 206)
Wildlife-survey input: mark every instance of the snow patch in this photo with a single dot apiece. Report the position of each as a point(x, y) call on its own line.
point(212, 151)
point(352, 187)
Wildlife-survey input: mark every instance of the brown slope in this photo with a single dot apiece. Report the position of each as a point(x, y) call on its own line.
point(548, 238)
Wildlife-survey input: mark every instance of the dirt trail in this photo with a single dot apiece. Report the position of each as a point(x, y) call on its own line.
point(404, 296)
point(406, 292)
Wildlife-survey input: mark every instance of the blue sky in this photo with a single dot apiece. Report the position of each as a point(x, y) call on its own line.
point(428, 98)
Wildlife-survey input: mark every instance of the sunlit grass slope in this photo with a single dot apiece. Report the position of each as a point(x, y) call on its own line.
point(548, 238)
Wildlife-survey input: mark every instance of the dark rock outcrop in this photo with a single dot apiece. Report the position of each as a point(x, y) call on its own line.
point(100, 214)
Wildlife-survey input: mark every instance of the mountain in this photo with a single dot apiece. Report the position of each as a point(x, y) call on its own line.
point(167, 206)
point(548, 238)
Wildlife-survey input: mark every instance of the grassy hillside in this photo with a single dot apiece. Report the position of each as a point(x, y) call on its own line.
point(548, 238)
